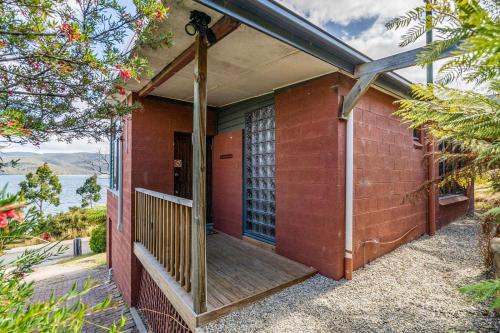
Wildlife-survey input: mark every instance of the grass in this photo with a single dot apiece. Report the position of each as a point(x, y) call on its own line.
point(485, 198)
point(87, 260)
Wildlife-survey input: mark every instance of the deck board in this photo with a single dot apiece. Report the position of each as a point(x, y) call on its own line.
point(238, 270)
point(238, 274)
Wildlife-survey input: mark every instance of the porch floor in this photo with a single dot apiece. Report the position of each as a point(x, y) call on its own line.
point(238, 274)
point(238, 270)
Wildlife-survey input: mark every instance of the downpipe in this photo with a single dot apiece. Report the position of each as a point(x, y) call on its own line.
point(349, 195)
point(120, 187)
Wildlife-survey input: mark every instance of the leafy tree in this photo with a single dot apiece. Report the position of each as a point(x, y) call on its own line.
point(468, 119)
point(90, 191)
point(60, 60)
point(41, 187)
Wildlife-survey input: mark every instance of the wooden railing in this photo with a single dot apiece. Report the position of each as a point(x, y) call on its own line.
point(163, 227)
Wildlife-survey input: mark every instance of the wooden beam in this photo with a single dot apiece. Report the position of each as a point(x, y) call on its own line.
point(357, 91)
point(198, 243)
point(396, 61)
point(221, 28)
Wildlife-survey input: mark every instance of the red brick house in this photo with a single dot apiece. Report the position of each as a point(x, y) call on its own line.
point(289, 188)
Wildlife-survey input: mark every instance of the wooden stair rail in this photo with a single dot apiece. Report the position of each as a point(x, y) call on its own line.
point(163, 227)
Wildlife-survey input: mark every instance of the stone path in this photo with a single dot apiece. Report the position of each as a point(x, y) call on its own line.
point(63, 282)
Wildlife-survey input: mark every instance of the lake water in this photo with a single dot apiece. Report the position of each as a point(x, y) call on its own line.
point(68, 196)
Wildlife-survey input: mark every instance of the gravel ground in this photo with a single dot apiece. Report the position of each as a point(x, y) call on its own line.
point(413, 289)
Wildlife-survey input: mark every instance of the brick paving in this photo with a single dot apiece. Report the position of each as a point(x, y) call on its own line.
point(62, 283)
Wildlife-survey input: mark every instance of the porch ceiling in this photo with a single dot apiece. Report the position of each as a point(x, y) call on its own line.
point(179, 16)
point(245, 64)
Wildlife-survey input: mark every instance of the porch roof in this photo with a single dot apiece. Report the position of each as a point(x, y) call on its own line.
point(271, 48)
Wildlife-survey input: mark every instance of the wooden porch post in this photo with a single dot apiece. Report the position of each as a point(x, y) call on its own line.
point(198, 244)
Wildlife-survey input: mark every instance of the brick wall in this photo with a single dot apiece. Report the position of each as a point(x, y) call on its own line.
point(310, 176)
point(447, 213)
point(227, 183)
point(309, 224)
point(147, 150)
point(387, 166)
point(112, 212)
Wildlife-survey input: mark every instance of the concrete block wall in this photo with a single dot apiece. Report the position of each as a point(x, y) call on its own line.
point(310, 176)
point(112, 212)
point(227, 184)
point(309, 219)
point(147, 151)
point(450, 212)
point(388, 165)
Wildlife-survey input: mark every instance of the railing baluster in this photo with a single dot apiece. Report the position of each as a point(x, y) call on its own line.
point(176, 241)
point(182, 255)
point(187, 242)
point(163, 226)
point(171, 240)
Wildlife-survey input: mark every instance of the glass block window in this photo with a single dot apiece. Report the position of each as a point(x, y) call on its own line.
point(260, 203)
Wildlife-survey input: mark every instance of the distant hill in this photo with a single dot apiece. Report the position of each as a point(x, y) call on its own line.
point(61, 163)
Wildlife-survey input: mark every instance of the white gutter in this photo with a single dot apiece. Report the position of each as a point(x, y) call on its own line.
point(349, 194)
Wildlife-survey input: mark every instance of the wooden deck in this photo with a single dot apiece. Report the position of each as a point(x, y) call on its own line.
point(239, 273)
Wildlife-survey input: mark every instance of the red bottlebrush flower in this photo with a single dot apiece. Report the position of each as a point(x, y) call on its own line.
point(158, 15)
point(121, 90)
point(65, 27)
point(46, 236)
point(70, 33)
point(4, 222)
point(12, 214)
point(125, 74)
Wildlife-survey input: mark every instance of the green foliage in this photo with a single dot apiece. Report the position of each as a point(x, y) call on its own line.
point(494, 180)
point(77, 222)
point(98, 239)
point(487, 290)
point(41, 187)
point(471, 25)
point(18, 312)
point(467, 119)
point(90, 191)
point(52, 51)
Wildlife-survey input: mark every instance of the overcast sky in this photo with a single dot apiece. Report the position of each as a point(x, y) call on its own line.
point(360, 23)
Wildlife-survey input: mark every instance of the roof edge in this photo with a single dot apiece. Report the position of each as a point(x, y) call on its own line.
point(277, 21)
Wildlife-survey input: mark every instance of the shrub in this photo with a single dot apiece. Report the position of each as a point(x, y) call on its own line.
point(98, 239)
point(77, 222)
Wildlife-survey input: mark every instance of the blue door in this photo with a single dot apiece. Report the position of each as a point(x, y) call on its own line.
point(259, 175)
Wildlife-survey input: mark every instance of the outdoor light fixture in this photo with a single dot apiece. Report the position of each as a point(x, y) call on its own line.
point(198, 22)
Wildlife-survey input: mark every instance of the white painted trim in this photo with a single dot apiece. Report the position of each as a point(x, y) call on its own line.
point(349, 183)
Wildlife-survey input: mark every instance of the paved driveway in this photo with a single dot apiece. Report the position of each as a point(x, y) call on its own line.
point(68, 275)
